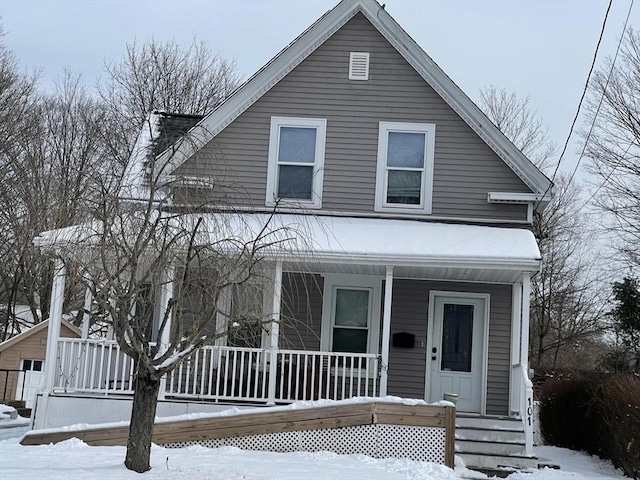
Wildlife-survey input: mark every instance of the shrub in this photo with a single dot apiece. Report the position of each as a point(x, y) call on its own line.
point(599, 414)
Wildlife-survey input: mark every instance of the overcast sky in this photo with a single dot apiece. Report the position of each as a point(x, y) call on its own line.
point(542, 49)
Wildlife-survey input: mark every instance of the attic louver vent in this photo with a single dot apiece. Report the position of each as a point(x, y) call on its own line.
point(359, 66)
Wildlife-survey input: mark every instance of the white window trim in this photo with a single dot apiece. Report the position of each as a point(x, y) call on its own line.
point(334, 281)
point(381, 205)
point(318, 169)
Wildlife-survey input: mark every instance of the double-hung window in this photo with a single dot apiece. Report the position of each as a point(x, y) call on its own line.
point(351, 314)
point(296, 161)
point(404, 180)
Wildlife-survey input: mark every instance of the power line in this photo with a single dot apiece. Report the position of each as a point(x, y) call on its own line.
point(584, 93)
point(604, 91)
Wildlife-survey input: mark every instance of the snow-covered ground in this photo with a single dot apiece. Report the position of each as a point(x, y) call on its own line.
point(75, 459)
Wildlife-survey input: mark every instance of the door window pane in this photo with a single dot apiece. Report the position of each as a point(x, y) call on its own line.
point(404, 187)
point(295, 182)
point(457, 336)
point(352, 308)
point(406, 150)
point(350, 340)
point(297, 145)
point(37, 365)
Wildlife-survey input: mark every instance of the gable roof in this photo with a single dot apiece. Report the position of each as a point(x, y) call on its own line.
point(33, 330)
point(285, 61)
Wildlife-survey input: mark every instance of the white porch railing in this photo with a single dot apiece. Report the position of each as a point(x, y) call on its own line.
point(312, 375)
point(526, 409)
point(222, 373)
point(96, 366)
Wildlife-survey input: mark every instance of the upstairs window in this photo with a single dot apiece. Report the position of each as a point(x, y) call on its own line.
point(405, 167)
point(296, 160)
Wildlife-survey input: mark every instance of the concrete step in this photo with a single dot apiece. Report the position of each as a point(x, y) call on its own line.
point(484, 435)
point(489, 448)
point(15, 403)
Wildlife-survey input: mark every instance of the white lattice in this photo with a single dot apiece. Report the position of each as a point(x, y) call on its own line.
point(379, 441)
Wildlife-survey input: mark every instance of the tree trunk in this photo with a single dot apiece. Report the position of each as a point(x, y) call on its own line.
point(145, 401)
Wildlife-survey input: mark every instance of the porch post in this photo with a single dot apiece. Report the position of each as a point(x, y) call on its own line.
point(274, 332)
point(164, 295)
point(386, 331)
point(516, 319)
point(55, 319)
point(526, 389)
point(526, 303)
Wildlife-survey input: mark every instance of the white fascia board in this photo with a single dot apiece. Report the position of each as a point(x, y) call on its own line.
point(456, 98)
point(513, 264)
point(261, 82)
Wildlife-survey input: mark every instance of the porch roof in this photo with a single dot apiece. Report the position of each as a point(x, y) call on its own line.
point(416, 249)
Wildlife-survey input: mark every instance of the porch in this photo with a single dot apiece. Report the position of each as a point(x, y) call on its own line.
point(447, 314)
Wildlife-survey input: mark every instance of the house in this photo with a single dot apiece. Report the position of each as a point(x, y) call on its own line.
point(22, 361)
point(418, 257)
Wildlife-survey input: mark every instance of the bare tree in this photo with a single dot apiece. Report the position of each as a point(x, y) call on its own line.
point(157, 273)
point(612, 138)
point(566, 305)
point(515, 118)
point(48, 176)
point(164, 77)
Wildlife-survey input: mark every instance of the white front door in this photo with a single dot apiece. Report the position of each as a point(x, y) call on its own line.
point(456, 355)
point(30, 381)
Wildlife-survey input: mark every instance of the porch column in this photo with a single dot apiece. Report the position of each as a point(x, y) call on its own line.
point(165, 294)
point(55, 319)
point(386, 331)
point(516, 319)
point(274, 332)
point(526, 304)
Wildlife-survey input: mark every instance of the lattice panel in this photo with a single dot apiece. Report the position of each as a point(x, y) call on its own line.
point(379, 441)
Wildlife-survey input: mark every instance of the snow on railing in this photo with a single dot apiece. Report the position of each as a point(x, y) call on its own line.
point(526, 411)
point(97, 366)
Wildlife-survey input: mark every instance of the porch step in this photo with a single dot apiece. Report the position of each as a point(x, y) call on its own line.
point(485, 435)
point(488, 423)
point(491, 443)
point(507, 463)
point(17, 404)
point(490, 448)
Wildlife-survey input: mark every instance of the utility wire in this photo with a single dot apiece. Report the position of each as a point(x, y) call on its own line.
point(604, 92)
point(584, 94)
point(604, 182)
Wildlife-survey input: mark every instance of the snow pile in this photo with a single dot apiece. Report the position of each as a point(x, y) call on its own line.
point(9, 417)
point(75, 459)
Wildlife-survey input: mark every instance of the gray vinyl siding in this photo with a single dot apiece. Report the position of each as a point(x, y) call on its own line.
point(410, 314)
point(465, 169)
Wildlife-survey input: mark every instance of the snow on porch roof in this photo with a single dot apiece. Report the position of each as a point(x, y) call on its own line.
point(370, 241)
